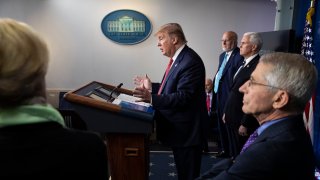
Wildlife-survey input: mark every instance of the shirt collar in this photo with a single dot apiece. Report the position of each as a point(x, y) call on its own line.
point(176, 54)
point(249, 59)
point(269, 123)
point(229, 52)
point(29, 114)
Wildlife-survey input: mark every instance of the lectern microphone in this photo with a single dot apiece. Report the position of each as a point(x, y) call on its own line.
point(114, 89)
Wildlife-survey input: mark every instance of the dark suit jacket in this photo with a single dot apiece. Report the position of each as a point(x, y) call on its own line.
point(49, 151)
point(181, 115)
point(234, 115)
point(226, 80)
point(282, 151)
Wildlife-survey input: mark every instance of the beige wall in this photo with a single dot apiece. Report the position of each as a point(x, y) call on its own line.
point(53, 96)
point(80, 53)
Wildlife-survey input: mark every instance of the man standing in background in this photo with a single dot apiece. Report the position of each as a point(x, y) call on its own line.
point(229, 62)
point(180, 101)
point(209, 86)
point(239, 125)
point(212, 116)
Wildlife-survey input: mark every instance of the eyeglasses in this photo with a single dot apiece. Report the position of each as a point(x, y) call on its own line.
point(251, 83)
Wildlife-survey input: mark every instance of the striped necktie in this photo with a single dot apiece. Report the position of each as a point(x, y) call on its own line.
point(165, 75)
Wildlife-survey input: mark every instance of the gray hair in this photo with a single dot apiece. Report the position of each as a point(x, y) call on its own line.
point(255, 39)
point(294, 74)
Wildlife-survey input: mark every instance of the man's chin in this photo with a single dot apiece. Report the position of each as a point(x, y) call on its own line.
point(245, 110)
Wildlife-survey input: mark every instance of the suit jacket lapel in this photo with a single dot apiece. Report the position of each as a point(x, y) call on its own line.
point(221, 57)
point(229, 61)
point(246, 68)
point(228, 64)
point(284, 125)
point(175, 65)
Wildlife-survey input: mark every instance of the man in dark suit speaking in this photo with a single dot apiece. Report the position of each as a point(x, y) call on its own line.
point(180, 101)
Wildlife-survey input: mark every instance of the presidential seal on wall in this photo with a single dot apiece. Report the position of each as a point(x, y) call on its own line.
point(126, 26)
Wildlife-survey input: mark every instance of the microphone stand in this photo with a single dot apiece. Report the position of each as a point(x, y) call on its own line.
point(113, 90)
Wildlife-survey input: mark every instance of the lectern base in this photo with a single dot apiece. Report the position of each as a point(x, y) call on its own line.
point(128, 156)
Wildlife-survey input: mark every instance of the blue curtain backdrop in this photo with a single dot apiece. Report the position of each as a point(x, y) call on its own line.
point(301, 8)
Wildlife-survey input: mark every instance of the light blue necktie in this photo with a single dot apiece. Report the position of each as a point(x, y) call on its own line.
point(219, 74)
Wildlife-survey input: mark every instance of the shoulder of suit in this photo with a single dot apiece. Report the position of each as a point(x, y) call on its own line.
point(235, 50)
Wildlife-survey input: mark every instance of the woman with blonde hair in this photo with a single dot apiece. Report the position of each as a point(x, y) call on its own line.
point(34, 140)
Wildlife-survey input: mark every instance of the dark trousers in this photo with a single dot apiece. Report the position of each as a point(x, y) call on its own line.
point(223, 136)
point(188, 161)
point(235, 140)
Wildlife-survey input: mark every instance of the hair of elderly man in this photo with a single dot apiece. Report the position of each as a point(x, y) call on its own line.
point(24, 61)
point(293, 73)
point(173, 29)
point(255, 38)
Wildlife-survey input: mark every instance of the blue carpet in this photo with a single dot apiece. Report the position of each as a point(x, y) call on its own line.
point(162, 166)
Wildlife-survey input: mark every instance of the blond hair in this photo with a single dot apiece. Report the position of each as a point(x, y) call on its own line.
point(23, 63)
point(173, 29)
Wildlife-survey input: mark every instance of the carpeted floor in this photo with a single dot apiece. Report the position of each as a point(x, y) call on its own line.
point(162, 166)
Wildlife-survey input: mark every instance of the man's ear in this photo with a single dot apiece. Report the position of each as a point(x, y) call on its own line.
point(281, 98)
point(174, 40)
point(254, 48)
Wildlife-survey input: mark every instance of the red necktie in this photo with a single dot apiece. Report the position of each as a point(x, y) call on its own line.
point(165, 76)
point(208, 102)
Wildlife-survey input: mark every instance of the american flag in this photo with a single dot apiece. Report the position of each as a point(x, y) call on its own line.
point(307, 51)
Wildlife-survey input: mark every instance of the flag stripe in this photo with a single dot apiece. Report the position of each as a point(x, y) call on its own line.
point(307, 51)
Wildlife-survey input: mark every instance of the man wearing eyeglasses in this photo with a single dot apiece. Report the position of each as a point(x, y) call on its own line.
point(276, 95)
point(229, 61)
point(238, 125)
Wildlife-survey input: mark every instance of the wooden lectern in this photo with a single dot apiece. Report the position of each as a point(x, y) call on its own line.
point(126, 125)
